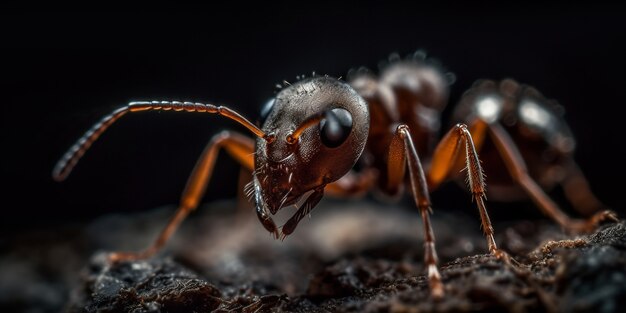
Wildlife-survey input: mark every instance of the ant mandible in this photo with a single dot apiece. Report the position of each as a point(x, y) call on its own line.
point(315, 130)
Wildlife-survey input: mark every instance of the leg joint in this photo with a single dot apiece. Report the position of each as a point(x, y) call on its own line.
point(461, 127)
point(403, 130)
point(220, 137)
point(463, 131)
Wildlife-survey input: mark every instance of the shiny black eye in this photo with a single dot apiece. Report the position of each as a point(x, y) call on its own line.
point(335, 127)
point(265, 110)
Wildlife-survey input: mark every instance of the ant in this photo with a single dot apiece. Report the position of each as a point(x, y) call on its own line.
point(314, 131)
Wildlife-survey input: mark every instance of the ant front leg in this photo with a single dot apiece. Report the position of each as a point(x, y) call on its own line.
point(517, 168)
point(402, 151)
point(239, 147)
point(446, 158)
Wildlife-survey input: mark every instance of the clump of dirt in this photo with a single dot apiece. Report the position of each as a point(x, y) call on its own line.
point(360, 259)
point(161, 285)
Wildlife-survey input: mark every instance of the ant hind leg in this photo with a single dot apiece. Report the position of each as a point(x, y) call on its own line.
point(517, 168)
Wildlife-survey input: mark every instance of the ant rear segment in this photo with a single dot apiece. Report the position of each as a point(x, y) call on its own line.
point(530, 150)
point(315, 131)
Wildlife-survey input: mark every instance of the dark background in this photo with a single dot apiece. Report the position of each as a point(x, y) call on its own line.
point(62, 72)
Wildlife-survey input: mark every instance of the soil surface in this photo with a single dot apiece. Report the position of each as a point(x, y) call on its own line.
point(349, 257)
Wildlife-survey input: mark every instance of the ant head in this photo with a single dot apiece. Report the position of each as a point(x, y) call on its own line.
point(317, 129)
point(417, 81)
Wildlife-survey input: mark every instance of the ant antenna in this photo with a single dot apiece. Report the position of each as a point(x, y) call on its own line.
point(69, 160)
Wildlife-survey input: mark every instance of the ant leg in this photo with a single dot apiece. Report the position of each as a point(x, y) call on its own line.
point(445, 159)
point(517, 168)
point(238, 146)
point(578, 191)
point(402, 152)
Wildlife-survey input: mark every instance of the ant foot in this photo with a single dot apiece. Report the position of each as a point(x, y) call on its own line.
point(115, 257)
point(590, 224)
point(435, 283)
point(609, 215)
point(503, 256)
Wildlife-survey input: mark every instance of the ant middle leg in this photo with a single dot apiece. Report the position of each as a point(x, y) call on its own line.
point(517, 168)
point(238, 146)
point(402, 152)
point(446, 158)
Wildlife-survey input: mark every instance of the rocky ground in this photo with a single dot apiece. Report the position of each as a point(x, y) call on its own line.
point(350, 257)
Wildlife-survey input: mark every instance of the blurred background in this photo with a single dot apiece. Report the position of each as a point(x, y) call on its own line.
point(63, 71)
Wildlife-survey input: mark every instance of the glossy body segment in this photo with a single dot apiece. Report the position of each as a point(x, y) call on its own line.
point(410, 92)
point(518, 130)
point(298, 161)
point(535, 125)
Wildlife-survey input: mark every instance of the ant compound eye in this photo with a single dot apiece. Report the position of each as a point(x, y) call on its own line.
point(335, 127)
point(266, 109)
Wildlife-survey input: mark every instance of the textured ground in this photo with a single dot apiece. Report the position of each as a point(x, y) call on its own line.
point(363, 258)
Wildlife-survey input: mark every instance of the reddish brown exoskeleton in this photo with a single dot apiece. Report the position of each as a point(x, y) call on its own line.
point(530, 149)
point(315, 130)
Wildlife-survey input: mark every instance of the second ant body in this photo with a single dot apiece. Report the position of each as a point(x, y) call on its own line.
point(314, 131)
